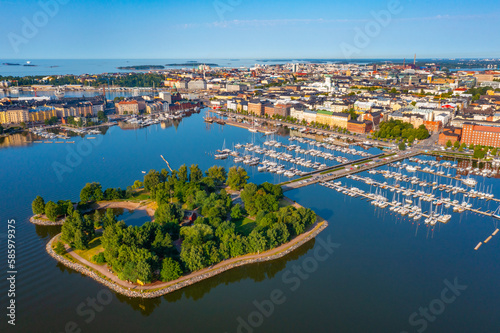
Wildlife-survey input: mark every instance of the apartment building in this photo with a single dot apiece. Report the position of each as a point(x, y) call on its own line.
point(14, 116)
point(127, 107)
point(481, 135)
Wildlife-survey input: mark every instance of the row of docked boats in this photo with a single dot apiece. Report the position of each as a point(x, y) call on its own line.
point(420, 194)
point(470, 169)
point(405, 208)
point(282, 156)
point(330, 146)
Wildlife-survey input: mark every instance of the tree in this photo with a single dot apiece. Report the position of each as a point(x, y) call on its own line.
point(236, 212)
point(38, 206)
point(196, 175)
point(256, 242)
point(99, 258)
point(237, 178)
point(101, 116)
point(277, 234)
point(448, 144)
point(91, 192)
point(402, 146)
point(78, 231)
point(98, 219)
point(51, 210)
point(193, 258)
point(183, 173)
point(218, 174)
point(109, 218)
point(137, 184)
point(471, 146)
point(169, 213)
point(456, 145)
point(170, 270)
point(151, 180)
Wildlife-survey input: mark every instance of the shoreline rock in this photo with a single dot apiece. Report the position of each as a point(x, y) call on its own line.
point(36, 221)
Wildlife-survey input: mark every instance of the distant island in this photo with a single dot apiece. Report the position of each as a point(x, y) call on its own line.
point(141, 67)
point(189, 63)
point(10, 64)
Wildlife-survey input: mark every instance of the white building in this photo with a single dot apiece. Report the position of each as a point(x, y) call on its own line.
point(444, 118)
point(166, 96)
point(197, 85)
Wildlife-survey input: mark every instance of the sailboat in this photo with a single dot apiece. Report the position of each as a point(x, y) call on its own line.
point(496, 213)
point(222, 154)
point(253, 129)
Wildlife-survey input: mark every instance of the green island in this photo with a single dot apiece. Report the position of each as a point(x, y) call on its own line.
point(204, 224)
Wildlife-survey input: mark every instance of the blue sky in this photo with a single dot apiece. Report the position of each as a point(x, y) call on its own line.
point(129, 29)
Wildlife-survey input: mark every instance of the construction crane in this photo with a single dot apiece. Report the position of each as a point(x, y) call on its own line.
point(167, 163)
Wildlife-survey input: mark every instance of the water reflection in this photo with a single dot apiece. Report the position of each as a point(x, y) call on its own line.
point(47, 232)
point(17, 140)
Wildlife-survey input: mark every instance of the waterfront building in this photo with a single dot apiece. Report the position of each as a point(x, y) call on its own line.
point(256, 107)
point(14, 116)
point(127, 107)
point(359, 127)
point(481, 135)
point(42, 113)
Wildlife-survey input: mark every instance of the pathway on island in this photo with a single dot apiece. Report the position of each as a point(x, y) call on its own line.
point(103, 270)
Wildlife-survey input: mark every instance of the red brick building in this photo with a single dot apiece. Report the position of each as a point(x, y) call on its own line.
point(282, 110)
point(269, 109)
point(433, 126)
point(449, 134)
point(256, 107)
point(360, 127)
point(481, 135)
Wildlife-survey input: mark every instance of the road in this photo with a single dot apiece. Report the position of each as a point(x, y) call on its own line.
point(351, 168)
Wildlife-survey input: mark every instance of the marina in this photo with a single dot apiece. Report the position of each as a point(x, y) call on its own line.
point(433, 198)
point(373, 239)
point(298, 157)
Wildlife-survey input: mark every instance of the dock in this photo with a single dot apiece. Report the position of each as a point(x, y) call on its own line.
point(346, 169)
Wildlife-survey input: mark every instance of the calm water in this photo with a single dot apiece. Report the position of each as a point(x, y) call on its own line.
point(130, 217)
point(385, 269)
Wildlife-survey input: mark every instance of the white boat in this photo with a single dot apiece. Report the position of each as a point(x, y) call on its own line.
point(410, 168)
point(222, 156)
point(469, 182)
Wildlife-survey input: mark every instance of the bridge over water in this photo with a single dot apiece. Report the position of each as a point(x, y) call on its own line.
point(345, 169)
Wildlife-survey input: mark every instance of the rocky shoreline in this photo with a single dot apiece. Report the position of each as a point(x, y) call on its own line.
point(157, 293)
point(36, 221)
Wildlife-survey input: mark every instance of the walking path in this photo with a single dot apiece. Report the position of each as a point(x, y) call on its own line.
point(159, 288)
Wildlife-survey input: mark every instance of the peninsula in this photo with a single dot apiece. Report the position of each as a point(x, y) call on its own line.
point(203, 223)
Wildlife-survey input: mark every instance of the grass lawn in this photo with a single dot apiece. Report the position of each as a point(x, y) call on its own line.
point(95, 247)
point(303, 178)
point(245, 225)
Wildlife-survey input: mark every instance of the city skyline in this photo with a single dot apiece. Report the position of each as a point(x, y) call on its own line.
point(57, 29)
